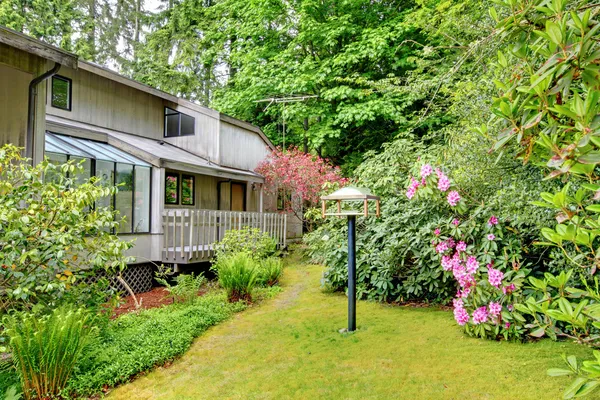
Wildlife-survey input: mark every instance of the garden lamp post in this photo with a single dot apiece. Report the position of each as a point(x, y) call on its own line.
point(351, 194)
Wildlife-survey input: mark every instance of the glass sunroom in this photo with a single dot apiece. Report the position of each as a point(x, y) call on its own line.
point(114, 167)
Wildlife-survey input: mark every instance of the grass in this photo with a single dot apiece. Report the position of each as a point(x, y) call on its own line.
point(290, 348)
point(134, 343)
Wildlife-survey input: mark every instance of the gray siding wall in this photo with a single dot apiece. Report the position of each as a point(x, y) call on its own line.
point(102, 102)
point(17, 69)
point(241, 148)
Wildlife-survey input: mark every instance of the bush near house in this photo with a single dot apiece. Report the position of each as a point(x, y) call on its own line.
point(52, 236)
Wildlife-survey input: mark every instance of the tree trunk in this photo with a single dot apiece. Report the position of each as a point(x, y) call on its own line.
point(305, 138)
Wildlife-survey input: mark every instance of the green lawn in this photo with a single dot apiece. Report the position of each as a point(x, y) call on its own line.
point(290, 347)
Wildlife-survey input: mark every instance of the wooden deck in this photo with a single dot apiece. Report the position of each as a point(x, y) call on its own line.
point(190, 235)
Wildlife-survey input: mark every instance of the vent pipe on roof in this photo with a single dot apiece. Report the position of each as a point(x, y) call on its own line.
point(29, 144)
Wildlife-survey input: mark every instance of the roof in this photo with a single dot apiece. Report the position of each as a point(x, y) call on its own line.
point(155, 152)
point(26, 43)
point(56, 54)
point(85, 148)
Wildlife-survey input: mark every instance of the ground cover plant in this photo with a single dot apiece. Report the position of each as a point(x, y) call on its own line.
point(134, 343)
point(290, 347)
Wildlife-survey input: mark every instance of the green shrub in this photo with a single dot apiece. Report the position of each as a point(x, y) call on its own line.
point(238, 275)
point(137, 342)
point(250, 240)
point(47, 225)
point(45, 349)
point(186, 287)
point(269, 271)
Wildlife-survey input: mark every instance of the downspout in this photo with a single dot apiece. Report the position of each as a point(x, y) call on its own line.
point(31, 109)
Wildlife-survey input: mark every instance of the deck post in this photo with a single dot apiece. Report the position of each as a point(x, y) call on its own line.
point(284, 230)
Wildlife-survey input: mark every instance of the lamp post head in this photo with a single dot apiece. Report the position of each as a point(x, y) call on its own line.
point(350, 194)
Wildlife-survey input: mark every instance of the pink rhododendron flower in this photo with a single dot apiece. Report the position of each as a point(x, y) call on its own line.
point(441, 247)
point(437, 232)
point(426, 170)
point(460, 314)
point(491, 236)
point(510, 308)
point(461, 246)
point(443, 183)
point(456, 222)
point(453, 198)
point(464, 293)
point(495, 308)
point(508, 289)
point(412, 188)
point(457, 303)
point(493, 221)
point(507, 325)
point(464, 279)
point(423, 182)
point(495, 277)
point(472, 265)
point(451, 243)
point(438, 173)
point(480, 315)
point(447, 263)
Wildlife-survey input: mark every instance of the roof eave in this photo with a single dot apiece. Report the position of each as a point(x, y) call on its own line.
point(28, 44)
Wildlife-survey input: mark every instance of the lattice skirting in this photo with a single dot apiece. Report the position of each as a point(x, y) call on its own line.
point(139, 277)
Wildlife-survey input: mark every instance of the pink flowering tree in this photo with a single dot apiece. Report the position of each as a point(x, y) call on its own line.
point(299, 179)
point(479, 254)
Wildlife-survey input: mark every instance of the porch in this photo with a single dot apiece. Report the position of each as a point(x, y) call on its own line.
point(191, 235)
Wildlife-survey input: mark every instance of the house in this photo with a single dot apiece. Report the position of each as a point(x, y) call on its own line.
point(187, 171)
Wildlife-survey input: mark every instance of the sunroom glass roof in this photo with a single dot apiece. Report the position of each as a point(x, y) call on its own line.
point(89, 149)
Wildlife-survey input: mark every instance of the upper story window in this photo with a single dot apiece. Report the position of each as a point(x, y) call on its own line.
point(178, 124)
point(61, 92)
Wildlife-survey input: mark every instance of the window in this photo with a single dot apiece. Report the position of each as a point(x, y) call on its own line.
point(171, 188)
point(141, 210)
point(56, 159)
point(187, 190)
point(113, 167)
point(178, 124)
point(284, 198)
point(61, 92)
point(124, 197)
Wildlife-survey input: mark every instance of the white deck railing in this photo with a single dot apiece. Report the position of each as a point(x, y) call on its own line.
point(190, 235)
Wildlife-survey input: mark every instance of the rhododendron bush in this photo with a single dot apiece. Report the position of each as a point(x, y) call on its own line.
point(482, 257)
point(300, 176)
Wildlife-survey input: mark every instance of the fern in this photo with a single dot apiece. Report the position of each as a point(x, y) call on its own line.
point(45, 350)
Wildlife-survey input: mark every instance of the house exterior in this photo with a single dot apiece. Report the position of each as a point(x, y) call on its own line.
point(186, 171)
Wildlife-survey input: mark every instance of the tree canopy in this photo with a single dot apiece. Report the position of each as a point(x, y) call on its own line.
point(370, 69)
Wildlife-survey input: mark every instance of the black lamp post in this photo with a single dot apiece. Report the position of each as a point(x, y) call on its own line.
point(351, 194)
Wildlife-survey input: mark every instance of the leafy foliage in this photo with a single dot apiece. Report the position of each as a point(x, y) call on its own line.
point(137, 342)
point(252, 241)
point(46, 349)
point(185, 288)
point(51, 236)
point(238, 274)
point(269, 271)
point(298, 178)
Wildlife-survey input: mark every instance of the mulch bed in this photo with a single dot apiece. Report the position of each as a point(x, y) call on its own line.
point(157, 297)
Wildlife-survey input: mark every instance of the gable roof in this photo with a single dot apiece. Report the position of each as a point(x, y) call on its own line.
point(30, 45)
point(58, 55)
